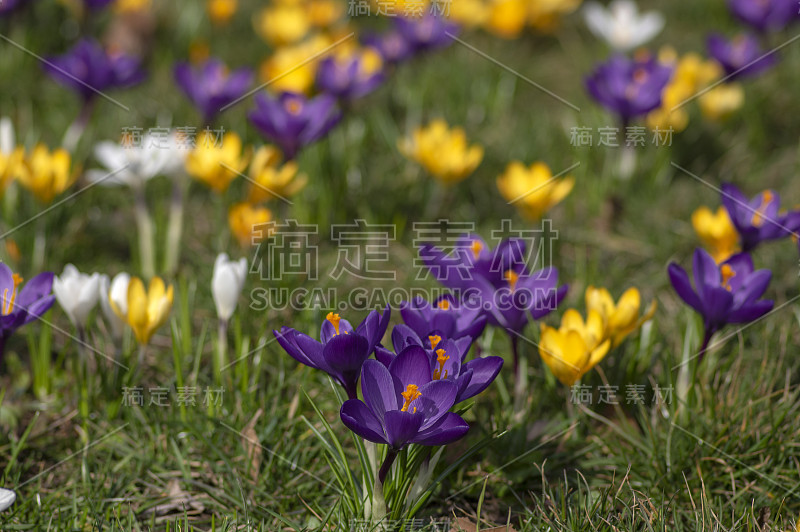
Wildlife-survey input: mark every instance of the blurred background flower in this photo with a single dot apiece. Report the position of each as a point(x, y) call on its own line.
point(442, 151)
point(621, 25)
point(533, 190)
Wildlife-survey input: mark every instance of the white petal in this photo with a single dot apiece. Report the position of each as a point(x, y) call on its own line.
point(649, 25)
point(7, 140)
point(7, 498)
point(118, 292)
point(111, 155)
point(598, 20)
point(225, 289)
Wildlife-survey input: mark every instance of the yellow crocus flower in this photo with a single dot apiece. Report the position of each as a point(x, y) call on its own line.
point(269, 180)
point(9, 167)
point(469, 13)
point(622, 318)
point(216, 163)
point(575, 347)
point(283, 24)
point(45, 174)
point(545, 15)
point(442, 151)
point(132, 6)
point(722, 101)
point(147, 310)
point(403, 8)
point(324, 13)
point(506, 18)
point(244, 220)
point(221, 11)
point(293, 68)
point(717, 232)
point(691, 74)
point(533, 190)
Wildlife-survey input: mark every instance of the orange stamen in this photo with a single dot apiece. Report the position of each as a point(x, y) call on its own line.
point(8, 300)
point(411, 393)
point(476, 248)
point(294, 107)
point(441, 358)
point(727, 274)
point(758, 216)
point(334, 319)
point(512, 277)
point(443, 304)
point(434, 340)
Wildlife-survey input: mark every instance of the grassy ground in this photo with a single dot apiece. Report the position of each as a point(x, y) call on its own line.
point(725, 457)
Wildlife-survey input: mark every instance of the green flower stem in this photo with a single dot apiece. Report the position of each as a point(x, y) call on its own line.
point(172, 250)
point(83, 383)
point(520, 380)
point(144, 225)
point(378, 501)
point(221, 353)
point(39, 244)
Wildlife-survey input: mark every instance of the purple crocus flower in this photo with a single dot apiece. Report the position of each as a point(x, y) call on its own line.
point(293, 121)
point(22, 306)
point(629, 87)
point(426, 33)
point(8, 6)
point(352, 76)
point(741, 56)
point(88, 69)
point(447, 359)
point(342, 350)
point(758, 219)
point(210, 86)
point(765, 15)
point(403, 404)
point(724, 293)
point(97, 4)
point(496, 281)
point(445, 314)
point(392, 46)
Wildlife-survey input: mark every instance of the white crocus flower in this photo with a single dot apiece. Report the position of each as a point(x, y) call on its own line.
point(116, 291)
point(77, 294)
point(7, 498)
point(621, 25)
point(134, 165)
point(227, 283)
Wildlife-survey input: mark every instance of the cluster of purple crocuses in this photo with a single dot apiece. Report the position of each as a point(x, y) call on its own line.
point(730, 292)
point(407, 392)
point(633, 86)
point(744, 54)
point(496, 283)
point(290, 120)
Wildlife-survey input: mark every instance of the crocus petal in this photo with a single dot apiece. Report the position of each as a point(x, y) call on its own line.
point(448, 429)
point(346, 353)
point(402, 427)
point(751, 311)
point(359, 418)
point(484, 371)
point(35, 289)
point(752, 287)
point(412, 366)
point(437, 398)
point(301, 347)
point(680, 282)
point(378, 388)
